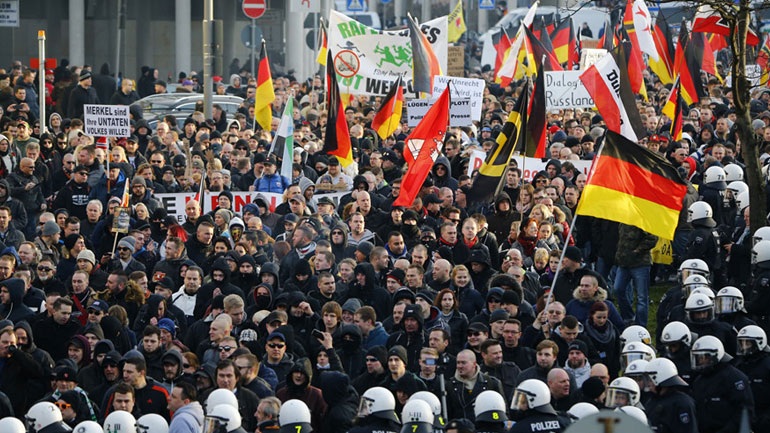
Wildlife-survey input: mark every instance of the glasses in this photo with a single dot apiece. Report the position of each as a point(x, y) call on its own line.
point(225, 348)
point(44, 269)
point(372, 360)
point(94, 312)
point(83, 173)
point(455, 220)
point(336, 233)
point(62, 405)
point(110, 365)
point(276, 345)
point(124, 249)
point(156, 161)
point(474, 333)
point(243, 367)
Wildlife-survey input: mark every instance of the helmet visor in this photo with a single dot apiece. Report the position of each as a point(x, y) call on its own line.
point(365, 407)
point(617, 398)
point(520, 400)
point(629, 357)
point(702, 360)
point(727, 304)
point(747, 346)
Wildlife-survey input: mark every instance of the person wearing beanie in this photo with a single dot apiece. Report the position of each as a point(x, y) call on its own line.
point(140, 193)
point(125, 260)
point(593, 391)
point(92, 376)
point(376, 369)
point(366, 289)
point(48, 241)
point(72, 409)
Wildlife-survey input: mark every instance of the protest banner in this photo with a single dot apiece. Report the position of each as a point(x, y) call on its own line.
point(459, 111)
point(471, 88)
point(106, 120)
point(564, 90)
point(381, 56)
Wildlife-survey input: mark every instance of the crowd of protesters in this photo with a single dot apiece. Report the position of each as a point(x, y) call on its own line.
point(333, 301)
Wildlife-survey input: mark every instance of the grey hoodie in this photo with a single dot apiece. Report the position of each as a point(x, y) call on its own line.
point(187, 419)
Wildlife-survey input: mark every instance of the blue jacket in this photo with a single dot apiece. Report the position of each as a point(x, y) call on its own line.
point(272, 183)
point(377, 337)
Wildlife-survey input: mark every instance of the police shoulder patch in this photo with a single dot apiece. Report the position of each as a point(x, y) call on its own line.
point(698, 240)
point(684, 417)
point(740, 386)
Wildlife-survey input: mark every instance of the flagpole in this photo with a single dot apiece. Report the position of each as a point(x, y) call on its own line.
point(572, 227)
point(525, 89)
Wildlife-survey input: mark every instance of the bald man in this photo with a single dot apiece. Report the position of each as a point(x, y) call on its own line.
point(219, 328)
point(467, 383)
point(562, 394)
point(441, 275)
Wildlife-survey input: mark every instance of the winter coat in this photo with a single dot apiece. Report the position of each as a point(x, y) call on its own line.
point(187, 419)
point(634, 246)
point(15, 310)
point(580, 307)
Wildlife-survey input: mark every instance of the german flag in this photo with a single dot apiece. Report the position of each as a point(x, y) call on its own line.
point(688, 67)
point(704, 54)
point(673, 110)
point(609, 39)
point(664, 43)
point(263, 100)
point(323, 44)
point(388, 117)
point(541, 51)
point(491, 172)
point(565, 44)
point(502, 44)
point(535, 125)
point(763, 60)
point(425, 64)
point(634, 58)
point(337, 140)
point(632, 185)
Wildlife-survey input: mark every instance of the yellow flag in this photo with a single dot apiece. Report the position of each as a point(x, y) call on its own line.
point(456, 23)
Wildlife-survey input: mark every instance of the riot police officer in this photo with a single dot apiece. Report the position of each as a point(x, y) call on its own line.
point(489, 411)
point(377, 412)
point(754, 361)
point(676, 340)
point(721, 391)
point(759, 304)
point(674, 296)
point(704, 241)
point(671, 409)
point(699, 310)
point(532, 409)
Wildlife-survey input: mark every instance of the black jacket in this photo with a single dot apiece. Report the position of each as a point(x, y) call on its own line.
point(460, 401)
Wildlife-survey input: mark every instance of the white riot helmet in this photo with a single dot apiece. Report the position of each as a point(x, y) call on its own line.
point(622, 391)
point(751, 339)
point(151, 423)
point(581, 410)
point(43, 414)
point(531, 394)
point(435, 405)
point(704, 290)
point(635, 333)
point(697, 304)
point(636, 369)
point(11, 424)
point(633, 351)
point(294, 417)
point(693, 281)
point(700, 212)
point(742, 200)
point(87, 427)
point(762, 234)
point(221, 396)
point(119, 421)
point(490, 407)
point(715, 177)
point(737, 187)
point(706, 353)
point(663, 372)
point(634, 412)
point(417, 417)
point(676, 332)
point(733, 173)
point(378, 402)
point(693, 267)
point(729, 300)
point(760, 254)
point(224, 416)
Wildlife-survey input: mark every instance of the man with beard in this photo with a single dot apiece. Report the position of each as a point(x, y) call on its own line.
point(169, 267)
point(46, 278)
point(577, 362)
point(173, 371)
point(303, 247)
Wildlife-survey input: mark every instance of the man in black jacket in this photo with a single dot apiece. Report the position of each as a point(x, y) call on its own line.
point(467, 383)
point(18, 369)
point(81, 95)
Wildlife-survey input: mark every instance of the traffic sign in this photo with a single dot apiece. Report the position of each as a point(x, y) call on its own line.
point(246, 35)
point(356, 5)
point(486, 4)
point(254, 8)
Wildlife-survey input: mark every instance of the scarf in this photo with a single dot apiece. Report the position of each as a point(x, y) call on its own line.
point(528, 244)
point(471, 242)
point(602, 334)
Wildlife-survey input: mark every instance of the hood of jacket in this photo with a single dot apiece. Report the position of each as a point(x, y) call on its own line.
point(177, 357)
point(367, 270)
point(4, 182)
point(30, 346)
point(303, 366)
point(15, 288)
point(220, 264)
point(599, 296)
point(334, 387)
point(344, 229)
point(503, 196)
point(193, 409)
point(263, 304)
point(272, 269)
point(442, 160)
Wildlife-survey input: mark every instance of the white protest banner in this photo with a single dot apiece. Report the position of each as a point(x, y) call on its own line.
point(477, 159)
point(459, 111)
point(564, 90)
point(532, 166)
point(380, 56)
point(174, 203)
point(472, 88)
point(107, 120)
point(590, 56)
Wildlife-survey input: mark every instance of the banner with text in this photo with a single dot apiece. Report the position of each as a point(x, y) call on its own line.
point(472, 88)
point(459, 111)
point(564, 90)
point(107, 120)
point(174, 203)
point(367, 61)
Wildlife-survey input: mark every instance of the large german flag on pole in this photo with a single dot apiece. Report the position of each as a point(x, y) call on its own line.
point(337, 139)
point(425, 63)
point(388, 117)
point(632, 185)
point(491, 172)
point(263, 100)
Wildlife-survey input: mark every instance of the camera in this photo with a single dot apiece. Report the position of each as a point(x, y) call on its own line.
point(430, 361)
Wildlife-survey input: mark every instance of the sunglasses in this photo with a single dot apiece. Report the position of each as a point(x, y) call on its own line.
point(225, 348)
point(372, 360)
point(474, 333)
point(62, 405)
point(110, 365)
point(95, 312)
point(44, 269)
point(276, 345)
point(123, 249)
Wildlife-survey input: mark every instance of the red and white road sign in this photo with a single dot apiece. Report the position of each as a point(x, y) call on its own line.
point(254, 8)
